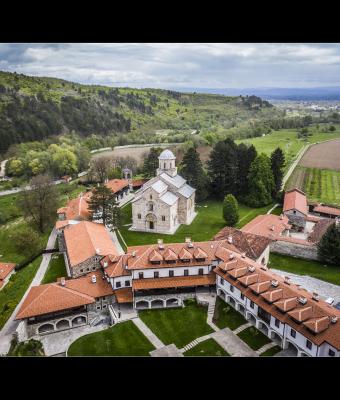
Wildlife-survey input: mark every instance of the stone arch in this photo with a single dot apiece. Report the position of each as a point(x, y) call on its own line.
point(45, 328)
point(157, 303)
point(141, 304)
point(221, 293)
point(62, 324)
point(276, 337)
point(303, 354)
point(79, 320)
point(173, 302)
point(292, 346)
point(232, 302)
point(251, 318)
point(263, 327)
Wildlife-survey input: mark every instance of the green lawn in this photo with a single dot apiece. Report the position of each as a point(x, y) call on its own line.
point(123, 339)
point(208, 348)
point(178, 325)
point(271, 352)
point(31, 348)
point(323, 271)
point(56, 269)
point(226, 316)
point(204, 227)
point(319, 184)
point(12, 293)
point(254, 338)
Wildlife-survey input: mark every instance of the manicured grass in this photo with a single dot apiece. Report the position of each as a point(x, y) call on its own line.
point(178, 325)
point(208, 348)
point(56, 269)
point(12, 293)
point(319, 184)
point(254, 338)
point(31, 348)
point(277, 211)
point(123, 339)
point(271, 352)
point(226, 316)
point(323, 271)
point(204, 227)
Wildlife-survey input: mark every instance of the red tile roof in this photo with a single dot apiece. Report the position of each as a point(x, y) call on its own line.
point(5, 269)
point(117, 184)
point(77, 208)
point(253, 245)
point(327, 210)
point(116, 265)
point(295, 199)
point(320, 229)
point(269, 225)
point(138, 182)
point(124, 295)
point(85, 240)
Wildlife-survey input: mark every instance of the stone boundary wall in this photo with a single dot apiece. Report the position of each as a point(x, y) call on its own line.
point(307, 252)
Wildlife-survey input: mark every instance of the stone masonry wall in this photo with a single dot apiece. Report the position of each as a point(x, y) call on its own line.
point(295, 250)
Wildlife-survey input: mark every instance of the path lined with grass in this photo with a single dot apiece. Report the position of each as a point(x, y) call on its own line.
point(56, 269)
point(208, 348)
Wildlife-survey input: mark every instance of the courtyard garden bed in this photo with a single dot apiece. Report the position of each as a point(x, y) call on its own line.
point(208, 348)
point(319, 270)
point(56, 269)
point(254, 338)
point(225, 316)
point(178, 325)
point(271, 352)
point(123, 339)
point(30, 348)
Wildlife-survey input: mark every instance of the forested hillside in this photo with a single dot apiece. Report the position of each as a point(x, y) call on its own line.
point(34, 108)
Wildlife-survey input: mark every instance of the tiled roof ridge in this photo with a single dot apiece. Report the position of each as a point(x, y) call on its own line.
point(74, 291)
point(48, 285)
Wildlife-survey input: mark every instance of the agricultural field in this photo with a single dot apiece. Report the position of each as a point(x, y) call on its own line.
point(321, 185)
point(323, 156)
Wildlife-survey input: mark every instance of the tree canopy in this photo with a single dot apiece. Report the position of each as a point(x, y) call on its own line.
point(329, 245)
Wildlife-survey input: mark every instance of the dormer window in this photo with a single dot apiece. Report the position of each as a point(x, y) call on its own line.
point(155, 262)
point(200, 259)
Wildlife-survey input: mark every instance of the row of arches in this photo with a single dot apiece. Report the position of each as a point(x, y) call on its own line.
point(62, 324)
point(157, 303)
point(265, 328)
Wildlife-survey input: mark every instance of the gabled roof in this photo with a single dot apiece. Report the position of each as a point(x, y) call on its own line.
point(169, 198)
point(320, 229)
point(52, 297)
point(327, 210)
point(186, 191)
point(116, 265)
point(249, 243)
point(269, 225)
point(177, 281)
point(159, 186)
point(176, 181)
point(5, 269)
point(77, 208)
point(295, 199)
point(117, 184)
point(85, 240)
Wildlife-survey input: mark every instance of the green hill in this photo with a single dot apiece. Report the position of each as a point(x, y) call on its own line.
point(34, 108)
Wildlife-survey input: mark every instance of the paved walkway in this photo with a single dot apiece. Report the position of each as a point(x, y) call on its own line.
point(232, 344)
point(324, 289)
point(265, 348)
point(126, 200)
point(166, 351)
point(242, 328)
point(11, 325)
point(148, 333)
point(294, 164)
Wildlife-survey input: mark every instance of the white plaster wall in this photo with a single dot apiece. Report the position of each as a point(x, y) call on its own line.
point(164, 271)
point(300, 341)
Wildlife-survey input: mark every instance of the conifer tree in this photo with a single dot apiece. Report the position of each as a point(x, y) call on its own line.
point(329, 245)
point(151, 162)
point(277, 160)
point(230, 210)
point(245, 156)
point(101, 202)
point(192, 170)
point(223, 168)
point(260, 182)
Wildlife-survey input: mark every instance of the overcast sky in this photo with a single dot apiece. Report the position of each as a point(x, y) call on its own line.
point(179, 65)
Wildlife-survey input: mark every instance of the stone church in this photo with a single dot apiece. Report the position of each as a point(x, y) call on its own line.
point(165, 201)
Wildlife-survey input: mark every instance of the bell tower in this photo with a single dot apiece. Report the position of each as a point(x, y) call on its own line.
point(167, 163)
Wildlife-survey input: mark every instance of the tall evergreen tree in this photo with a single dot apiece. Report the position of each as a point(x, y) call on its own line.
point(101, 203)
point(277, 160)
point(260, 182)
point(245, 156)
point(329, 245)
point(230, 210)
point(223, 168)
point(192, 170)
point(151, 162)
point(114, 217)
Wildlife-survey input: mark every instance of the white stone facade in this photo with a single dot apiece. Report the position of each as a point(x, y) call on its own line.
point(165, 202)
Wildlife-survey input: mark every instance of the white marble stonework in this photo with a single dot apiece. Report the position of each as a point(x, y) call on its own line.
point(165, 201)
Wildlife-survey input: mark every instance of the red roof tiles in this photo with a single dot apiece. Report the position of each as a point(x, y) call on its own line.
point(269, 225)
point(117, 184)
point(327, 210)
point(295, 199)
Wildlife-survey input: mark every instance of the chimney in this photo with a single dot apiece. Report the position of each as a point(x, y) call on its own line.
point(302, 300)
point(230, 239)
point(105, 264)
point(315, 296)
point(188, 242)
point(98, 252)
point(160, 244)
point(287, 280)
point(272, 228)
point(275, 283)
point(62, 281)
point(243, 255)
point(251, 269)
point(93, 279)
point(281, 216)
point(133, 253)
point(334, 319)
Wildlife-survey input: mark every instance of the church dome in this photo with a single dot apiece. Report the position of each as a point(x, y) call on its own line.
point(166, 155)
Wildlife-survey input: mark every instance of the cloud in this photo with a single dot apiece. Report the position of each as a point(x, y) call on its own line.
point(218, 65)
